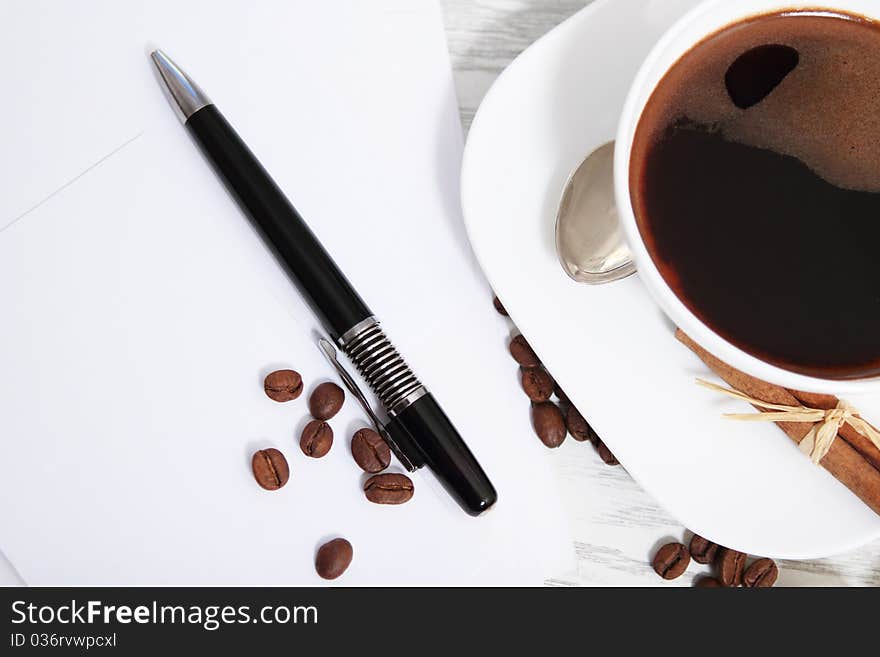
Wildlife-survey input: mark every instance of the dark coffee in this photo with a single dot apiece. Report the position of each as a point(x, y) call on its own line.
point(755, 178)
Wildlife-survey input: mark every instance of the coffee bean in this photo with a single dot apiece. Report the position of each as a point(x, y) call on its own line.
point(671, 560)
point(501, 310)
point(578, 427)
point(761, 575)
point(730, 565)
point(270, 469)
point(326, 400)
point(283, 385)
point(389, 488)
point(708, 583)
point(316, 439)
point(703, 550)
point(548, 423)
point(370, 451)
point(537, 383)
point(560, 394)
point(333, 558)
point(522, 352)
point(606, 455)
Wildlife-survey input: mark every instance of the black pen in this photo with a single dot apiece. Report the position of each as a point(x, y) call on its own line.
point(418, 429)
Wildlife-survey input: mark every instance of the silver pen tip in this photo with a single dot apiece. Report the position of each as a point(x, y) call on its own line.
point(185, 96)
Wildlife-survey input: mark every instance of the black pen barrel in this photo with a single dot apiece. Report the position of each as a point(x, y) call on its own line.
point(317, 277)
point(447, 455)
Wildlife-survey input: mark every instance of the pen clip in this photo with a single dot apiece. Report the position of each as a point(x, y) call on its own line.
point(330, 352)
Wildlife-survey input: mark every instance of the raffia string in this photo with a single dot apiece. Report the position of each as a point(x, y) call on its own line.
point(826, 424)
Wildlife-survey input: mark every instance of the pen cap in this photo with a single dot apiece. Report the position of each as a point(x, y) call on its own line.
point(444, 451)
point(404, 447)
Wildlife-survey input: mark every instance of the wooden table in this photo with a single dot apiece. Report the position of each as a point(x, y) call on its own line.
point(616, 526)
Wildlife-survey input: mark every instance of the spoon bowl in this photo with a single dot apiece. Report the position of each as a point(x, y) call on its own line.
point(589, 241)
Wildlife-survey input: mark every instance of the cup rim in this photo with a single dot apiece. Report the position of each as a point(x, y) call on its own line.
point(676, 42)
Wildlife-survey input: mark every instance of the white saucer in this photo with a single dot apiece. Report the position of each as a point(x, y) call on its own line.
point(742, 485)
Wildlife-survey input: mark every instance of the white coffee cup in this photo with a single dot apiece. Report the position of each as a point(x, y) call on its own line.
point(703, 21)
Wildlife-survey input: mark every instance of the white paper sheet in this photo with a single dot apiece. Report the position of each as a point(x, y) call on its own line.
point(141, 311)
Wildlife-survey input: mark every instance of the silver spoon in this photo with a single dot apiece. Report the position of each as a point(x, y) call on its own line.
point(589, 243)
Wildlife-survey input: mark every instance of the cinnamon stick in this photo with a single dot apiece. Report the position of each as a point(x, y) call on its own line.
point(857, 441)
point(843, 461)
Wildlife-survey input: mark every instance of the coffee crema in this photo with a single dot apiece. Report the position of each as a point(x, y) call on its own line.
point(755, 180)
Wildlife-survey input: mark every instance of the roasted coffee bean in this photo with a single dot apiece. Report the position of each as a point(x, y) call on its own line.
point(560, 394)
point(370, 451)
point(548, 423)
point(703, 550)
point(671, 560)
point(606, 455)
point(730, 565)
point(333, 558)
point(500, 308)
point(316, 439)
point(537, 383)
point(326, 400)
point(578, 427)
point(270, 468)
point(761, 575)
point(708, 583)
point(283, 385)
point(522, 352)
point(390, 488)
